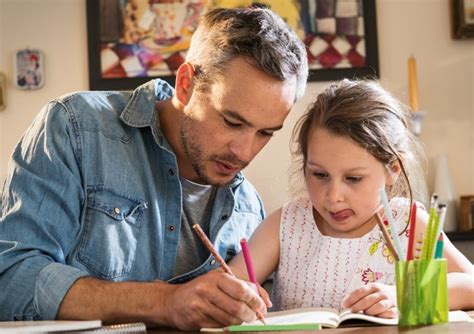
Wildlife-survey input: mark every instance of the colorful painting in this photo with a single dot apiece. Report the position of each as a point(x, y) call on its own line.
point(135, 40)
point(142, 38)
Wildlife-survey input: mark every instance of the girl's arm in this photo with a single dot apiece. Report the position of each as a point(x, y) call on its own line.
point(264, 248)
point(460, 278)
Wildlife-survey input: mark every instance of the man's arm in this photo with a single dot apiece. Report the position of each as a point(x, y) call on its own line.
point(212, 300)
point(41, 204)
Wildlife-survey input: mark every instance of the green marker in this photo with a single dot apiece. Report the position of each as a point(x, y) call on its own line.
point(274, 328)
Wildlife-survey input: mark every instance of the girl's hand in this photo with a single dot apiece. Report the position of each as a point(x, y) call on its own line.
point(375, 299)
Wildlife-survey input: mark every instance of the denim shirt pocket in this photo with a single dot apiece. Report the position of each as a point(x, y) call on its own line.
point(108, 242)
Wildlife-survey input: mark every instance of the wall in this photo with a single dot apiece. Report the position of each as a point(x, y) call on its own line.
point(57, 28)
point(446, 91)
point(445, 75)
point(2, 130)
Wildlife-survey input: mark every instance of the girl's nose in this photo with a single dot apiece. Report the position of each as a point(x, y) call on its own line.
point(335, 193)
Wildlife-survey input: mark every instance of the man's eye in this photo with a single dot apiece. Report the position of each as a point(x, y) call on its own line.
point(231, 124)
point(267, 133)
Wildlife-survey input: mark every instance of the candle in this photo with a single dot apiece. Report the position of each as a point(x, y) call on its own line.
point(412, 84)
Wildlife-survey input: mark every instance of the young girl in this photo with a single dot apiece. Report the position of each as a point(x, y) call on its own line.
point(326, 249)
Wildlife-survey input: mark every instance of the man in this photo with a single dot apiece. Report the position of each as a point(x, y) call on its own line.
point(104, 187)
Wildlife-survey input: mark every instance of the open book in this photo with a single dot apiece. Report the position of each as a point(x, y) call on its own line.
point(303, 318)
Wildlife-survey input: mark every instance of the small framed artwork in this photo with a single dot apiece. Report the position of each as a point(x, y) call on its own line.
point(29, 69)
point(131, 42)
point(3, 91)
point(463, 18)
point(466, 213)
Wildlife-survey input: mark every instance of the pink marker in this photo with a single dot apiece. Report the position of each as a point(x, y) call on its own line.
point(248, 261)
point(251, 273)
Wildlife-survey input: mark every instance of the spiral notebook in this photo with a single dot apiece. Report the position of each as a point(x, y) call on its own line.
point(137, 327)
point(46, 326)
point(68, 326)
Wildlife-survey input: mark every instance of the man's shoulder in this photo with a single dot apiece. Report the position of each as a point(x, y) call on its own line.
point(247, 198)
point(243, 187)
point(94, 103)
point(88, 111)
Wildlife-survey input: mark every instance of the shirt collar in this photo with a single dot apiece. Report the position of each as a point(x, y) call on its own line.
point(140, 109)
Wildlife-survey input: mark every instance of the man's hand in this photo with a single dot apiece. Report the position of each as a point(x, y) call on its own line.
point(215, 299)
point(373, 299)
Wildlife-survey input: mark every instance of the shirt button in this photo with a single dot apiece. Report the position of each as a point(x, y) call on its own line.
point(171, 228)
point(117, 210)
point(224, 217)
point(213, 262)
point(170, 172)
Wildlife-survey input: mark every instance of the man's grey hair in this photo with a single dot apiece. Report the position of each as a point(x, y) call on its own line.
point(257, 34)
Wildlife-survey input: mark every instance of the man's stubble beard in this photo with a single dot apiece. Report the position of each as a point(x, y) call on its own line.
point(195, 153)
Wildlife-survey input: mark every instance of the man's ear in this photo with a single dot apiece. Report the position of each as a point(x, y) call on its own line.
point(394, 171)
point(184, 83)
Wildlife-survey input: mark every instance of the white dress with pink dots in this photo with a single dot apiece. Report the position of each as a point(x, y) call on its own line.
point(317, 270)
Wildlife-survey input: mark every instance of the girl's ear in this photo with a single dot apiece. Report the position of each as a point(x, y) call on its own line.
point(394, 171)
point(184, 83)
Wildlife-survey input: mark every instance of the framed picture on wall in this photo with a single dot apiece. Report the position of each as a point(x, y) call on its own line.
point(132, 41)
point(3, 91)
point(463, 18)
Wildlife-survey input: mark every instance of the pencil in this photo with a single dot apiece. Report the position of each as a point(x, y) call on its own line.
point(211, 248)
point(439, 247)
point(427, 242)
point(391, 223)
point(386, 236)
point(439, 229)
point(411, 237)
point(418, 247)
point(200, 233)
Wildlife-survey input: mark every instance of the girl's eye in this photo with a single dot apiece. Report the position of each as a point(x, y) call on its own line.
point(320, 175)
point(231, 124)
point(354, 179)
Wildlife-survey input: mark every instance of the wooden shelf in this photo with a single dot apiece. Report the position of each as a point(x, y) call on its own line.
point(461, 236)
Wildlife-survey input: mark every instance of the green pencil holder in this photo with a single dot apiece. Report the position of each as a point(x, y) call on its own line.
point(422, 292)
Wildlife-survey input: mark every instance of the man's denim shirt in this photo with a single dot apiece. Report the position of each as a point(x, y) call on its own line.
point(93, 190)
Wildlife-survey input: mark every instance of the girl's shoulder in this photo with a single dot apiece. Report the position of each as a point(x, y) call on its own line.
point(401, 206)
point(401, 212)
point(297, 209)
point(405, 202)
point(297, 203)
